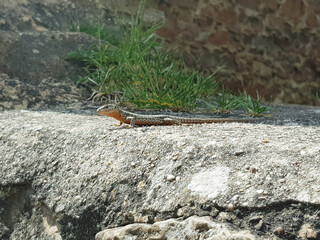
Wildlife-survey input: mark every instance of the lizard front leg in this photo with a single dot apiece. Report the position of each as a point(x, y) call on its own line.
point(132, 121)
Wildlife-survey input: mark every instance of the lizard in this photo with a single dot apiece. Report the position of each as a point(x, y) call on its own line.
point(112, 110)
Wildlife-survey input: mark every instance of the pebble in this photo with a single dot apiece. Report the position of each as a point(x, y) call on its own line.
point(260, 191)
point(77, 197)
point(259, 225)
point(94, 175)
point(279, 231)
point(223, 216)
point(230, 207)
point(262, 198)
point(239, 153)
point(255, 219)
point(253, 170)
point(307, 232)
point(245, 204)
point(170, 177)
point(235, 197)
point(60, 208)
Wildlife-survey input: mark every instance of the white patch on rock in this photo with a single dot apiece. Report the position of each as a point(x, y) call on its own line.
point(210, 183)
point(303, 196)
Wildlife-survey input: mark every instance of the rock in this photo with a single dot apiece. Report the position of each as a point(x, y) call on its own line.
point(46, 78)
point(307, 232)
point(48, 92)
point(255, 219)
point(259, 225)
point(70, 175)
point(279, 231)
point(230, 207)
point(33, 56)
point(170, 177)
point(191, 228)
point(37, 15)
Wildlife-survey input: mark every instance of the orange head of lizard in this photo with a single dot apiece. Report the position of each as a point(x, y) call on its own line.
point(107, 110)
point(111, 110)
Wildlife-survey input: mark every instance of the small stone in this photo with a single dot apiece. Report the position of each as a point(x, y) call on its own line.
point(230, 207)
point(142, 218)
point(312, 234)
point(255, 219)
point(180, 212)
point(235, 197)
point(307, 232)
point(245, 204)
point(170, 177)
point(57, 198)
point(260, 191)
point(239, 153)
point(302, 152)
point(279, 231)
point(223, 216)
point(94, 175)
point(253, 170)
point(282, 180)
point(259, 225)
point(133, 164)
point(60, 208)
point(77, 197)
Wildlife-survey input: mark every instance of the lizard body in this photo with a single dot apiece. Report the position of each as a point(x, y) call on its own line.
point(123, 116)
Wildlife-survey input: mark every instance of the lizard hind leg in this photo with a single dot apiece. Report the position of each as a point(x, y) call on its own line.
point(170, 121)
point(132, 121)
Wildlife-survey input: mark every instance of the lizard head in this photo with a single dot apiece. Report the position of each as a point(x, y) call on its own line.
point(111, 110)
point(107, 108)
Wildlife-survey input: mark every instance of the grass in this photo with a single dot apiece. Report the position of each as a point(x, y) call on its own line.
point(253, 107)
point(134, 70)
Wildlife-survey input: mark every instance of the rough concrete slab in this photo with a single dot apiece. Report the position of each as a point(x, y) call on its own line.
point(85, 174)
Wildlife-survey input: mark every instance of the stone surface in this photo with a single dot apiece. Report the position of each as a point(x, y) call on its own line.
point(58, 15)
point(71, 175)
point(48, 92)
point(35, 72)
point(191, 228)
point(33, 56)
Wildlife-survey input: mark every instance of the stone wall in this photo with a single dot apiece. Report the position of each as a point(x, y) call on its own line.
point(272, 46)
